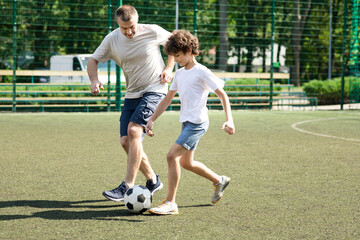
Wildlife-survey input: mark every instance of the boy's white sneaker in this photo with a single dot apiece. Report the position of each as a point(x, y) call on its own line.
point(219, 189)
point(165, 208)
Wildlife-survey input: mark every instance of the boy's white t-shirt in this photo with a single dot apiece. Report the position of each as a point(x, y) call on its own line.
point(139, 58)
point(193, 87)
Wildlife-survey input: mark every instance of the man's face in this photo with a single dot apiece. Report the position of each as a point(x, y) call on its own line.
point(128, 28)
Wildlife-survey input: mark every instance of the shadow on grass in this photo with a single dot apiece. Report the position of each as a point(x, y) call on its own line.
point(196, 206)
point(110, 215)
point(55, 204)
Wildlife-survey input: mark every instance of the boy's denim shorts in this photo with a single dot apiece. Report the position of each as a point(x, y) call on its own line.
point(139, 110)
point(191, 134)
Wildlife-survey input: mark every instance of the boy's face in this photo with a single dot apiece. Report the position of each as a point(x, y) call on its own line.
point(128, 28)
point(182, 58)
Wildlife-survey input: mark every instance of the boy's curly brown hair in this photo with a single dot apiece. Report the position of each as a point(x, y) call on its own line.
point(181, 41)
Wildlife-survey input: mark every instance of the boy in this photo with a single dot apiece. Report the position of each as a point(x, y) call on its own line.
point(193, 83)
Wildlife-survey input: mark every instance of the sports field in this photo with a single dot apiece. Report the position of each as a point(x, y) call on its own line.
point(295, 175)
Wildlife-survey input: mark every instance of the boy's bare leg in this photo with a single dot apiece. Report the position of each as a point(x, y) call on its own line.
point(219, 182)
point(174, 170)
point(187, 162)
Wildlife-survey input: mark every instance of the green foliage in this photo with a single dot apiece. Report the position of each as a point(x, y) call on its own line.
point(329, 91)
point(252, 85)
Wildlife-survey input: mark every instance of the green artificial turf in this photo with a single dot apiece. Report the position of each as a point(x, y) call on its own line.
point(286, 183)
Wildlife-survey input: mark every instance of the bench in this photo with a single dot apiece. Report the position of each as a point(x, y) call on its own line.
point(36, 94)
point(48, 96)
point(264, 102)
point(65, 103)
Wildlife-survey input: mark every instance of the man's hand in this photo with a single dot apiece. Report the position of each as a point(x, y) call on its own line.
point(166, 76)
point(96, 86)
point(229, 127)
point(149, 126)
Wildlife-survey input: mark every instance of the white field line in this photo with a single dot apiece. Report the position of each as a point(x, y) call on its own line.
point(294, 126)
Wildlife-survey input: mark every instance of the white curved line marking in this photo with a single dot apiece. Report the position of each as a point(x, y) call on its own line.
point(294, 126)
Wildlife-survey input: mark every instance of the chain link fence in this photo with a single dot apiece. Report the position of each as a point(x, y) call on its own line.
point(311, 39)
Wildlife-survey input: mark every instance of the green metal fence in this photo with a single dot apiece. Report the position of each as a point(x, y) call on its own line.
point(308, 39)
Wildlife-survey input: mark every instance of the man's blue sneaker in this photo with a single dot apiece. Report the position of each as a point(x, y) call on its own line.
point(117, 194)
point(154, 187)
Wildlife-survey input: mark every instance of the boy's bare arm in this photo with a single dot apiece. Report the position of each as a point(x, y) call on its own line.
point(159, 110)
point(228, 126)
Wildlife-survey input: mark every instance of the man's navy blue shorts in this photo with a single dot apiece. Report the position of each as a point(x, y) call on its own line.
point(139, 110)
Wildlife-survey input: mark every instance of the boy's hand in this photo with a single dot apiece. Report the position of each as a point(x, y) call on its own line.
point(149, 126)
point(229, 127)
point(96, 86)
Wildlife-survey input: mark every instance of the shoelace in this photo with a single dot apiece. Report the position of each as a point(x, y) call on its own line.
point(121, 188)
point(163, 204)
point(217, 187)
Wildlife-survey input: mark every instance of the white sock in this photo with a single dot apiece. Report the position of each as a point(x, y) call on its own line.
point(154, 180)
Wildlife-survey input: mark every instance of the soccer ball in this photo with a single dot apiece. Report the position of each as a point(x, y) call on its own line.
point(138, 199)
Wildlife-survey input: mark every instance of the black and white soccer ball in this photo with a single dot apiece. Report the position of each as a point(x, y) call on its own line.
point(138, 199)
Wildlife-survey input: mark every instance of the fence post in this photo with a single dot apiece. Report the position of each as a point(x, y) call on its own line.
point(177, 25)
point(118, 89)
point(272, 52)
point(330, 41)
point(109, 63)
point(195, 17)
point(118, 80)
point(14, 53)
point(177, 15)
point(343, 56)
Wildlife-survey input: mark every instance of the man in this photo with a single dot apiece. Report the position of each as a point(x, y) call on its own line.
point(136, 49)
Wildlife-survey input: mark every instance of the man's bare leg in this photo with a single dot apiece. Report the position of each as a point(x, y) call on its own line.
point(137, 160)
point(145, 166)
point(135, 152)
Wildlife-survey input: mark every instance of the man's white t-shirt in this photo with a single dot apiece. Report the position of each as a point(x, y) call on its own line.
point(139, 58)
point(193, 87)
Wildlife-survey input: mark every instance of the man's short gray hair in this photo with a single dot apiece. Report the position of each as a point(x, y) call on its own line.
point(126, 12)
